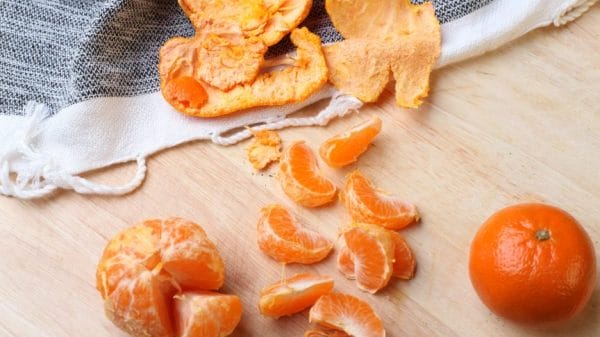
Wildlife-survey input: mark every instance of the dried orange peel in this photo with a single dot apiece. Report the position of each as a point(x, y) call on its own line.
point(269, 20)
point(285, 84)
point(348, 314)
point(264, 148)
point(383, 37)
point(344, 149)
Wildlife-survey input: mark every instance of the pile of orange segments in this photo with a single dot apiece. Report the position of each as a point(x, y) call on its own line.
point(370, 251)
point(160, 278)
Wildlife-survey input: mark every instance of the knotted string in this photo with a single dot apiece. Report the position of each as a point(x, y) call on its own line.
point(27, 173)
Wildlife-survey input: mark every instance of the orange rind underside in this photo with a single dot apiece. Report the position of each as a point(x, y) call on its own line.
point(330, 333)
point(288, 83)
point(281, 238)
point(348, 314)
point(383, 37)
point(264, 148)
point(206, 314)
point(269, 20)
point(404, 260)
point(301, 179)
point(223, 64)
point(370, 249)
point(366, 204)
point(345, 148)
point(293, 295)
point(145, 265)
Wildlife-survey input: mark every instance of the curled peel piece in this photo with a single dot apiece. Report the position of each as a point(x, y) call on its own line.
point(228, 62)
point(270, 20)
point(219, 55)
point(285, 16)
point(290, 84)
point(250, 15)
point(385, 37)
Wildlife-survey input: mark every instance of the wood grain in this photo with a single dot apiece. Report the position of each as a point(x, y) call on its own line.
point(518, 124)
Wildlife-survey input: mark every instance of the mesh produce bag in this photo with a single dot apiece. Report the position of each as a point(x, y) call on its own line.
point(79, 86)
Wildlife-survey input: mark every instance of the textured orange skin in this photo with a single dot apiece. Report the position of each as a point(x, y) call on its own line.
point(185, 92)
point(528, 280)
point(283, 239)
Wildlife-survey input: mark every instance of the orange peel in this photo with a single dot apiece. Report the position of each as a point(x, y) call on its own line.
point(269, 20)
point(383, 37)
point(281, 85)
point(264, 148)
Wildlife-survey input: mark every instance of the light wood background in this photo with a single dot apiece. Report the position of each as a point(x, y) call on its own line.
point(518, 124)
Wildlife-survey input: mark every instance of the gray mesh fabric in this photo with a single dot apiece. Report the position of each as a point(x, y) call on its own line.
point(61, 52)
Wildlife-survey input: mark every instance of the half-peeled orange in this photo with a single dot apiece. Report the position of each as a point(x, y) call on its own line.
point(371, 249)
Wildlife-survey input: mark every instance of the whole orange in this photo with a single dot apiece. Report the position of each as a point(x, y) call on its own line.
point(533, 263)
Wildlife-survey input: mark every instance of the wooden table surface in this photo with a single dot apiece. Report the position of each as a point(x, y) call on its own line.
point(518, 124)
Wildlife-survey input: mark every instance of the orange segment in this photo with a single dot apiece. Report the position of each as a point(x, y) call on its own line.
point(206, 314)
point(144, 265)
point(345, 262)
point(344, 149)
point(372, 251)
point(366, 204)
point(348, 314)
point(330, 333)
point(301, 178)
point(280, 237)
point(404, 260)
point(293, 295)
